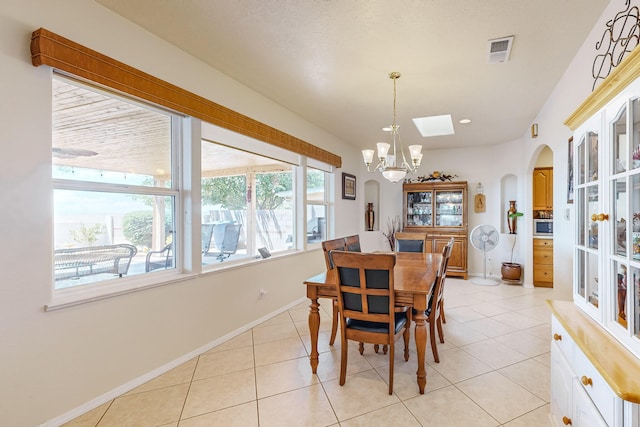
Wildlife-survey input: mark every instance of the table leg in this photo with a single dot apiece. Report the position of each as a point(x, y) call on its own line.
point(421, 341)
point(314, 327)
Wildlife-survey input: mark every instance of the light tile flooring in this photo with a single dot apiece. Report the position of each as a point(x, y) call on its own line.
point(493, 371)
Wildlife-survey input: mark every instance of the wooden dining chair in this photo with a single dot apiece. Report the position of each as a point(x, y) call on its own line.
point(366, 302)
point(435, 304)
point(353, 243)
point(327, 247)
point(411, 242)
point(442, 316)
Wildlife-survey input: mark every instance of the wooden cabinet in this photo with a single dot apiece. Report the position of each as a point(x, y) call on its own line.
point(542, 189)
point(440, 210)
point(543, 262)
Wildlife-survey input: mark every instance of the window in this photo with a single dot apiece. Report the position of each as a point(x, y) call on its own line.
point(247, 202)
point(115, 186)
point(317, 206)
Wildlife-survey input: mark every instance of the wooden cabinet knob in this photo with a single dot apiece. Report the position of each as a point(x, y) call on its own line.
point(586, 380)
point(557, 337)
point(566, 421)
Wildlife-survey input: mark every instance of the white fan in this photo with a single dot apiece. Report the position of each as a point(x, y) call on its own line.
point(484, 238)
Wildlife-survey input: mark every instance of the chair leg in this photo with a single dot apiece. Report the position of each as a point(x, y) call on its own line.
point(391, 360)
point(376, 348)
point(406, 335)
point(439, 325)
point(344, 351)
point(385, 348)
point(442, 316)
point(361, 348)
point(334, 324)
point(432, 333)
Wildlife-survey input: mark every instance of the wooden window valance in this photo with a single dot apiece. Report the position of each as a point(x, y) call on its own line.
point(50, 49)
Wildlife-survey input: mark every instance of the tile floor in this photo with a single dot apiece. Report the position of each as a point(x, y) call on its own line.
point(493, 371)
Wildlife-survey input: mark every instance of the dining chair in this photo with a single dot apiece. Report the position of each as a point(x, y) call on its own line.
point(442, 316)
point(366, 303)
point(410, 242)
point(353, 243)
point(435, 304)
point(327, 247)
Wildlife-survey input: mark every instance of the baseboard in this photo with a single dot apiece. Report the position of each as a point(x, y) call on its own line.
point(118, 391)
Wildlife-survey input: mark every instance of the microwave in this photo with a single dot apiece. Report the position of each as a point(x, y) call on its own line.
point(543, 227)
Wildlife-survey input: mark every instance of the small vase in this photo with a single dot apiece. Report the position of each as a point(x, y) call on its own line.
point(512, 219)
point(369, 217)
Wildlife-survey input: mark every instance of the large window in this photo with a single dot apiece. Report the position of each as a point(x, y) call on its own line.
point(248, 203)
point(317, 206)
point(115, 186)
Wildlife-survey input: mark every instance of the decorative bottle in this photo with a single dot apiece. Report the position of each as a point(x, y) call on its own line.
point(369, 217)
point(512, 219)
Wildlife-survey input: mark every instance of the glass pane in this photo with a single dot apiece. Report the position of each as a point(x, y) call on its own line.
point(635, 208)
point(98, 137)
point(592, 146)
point(581, 268)
point(100, 236)
point(620, 143)
point(581, 215)
point(620, 277)
point(619, 192)
point(581, 160)
point(593, 288)
point(634, 288)
point(635, 108)
point(315, 185)
point(419, 208)
point(449, 208)
point(316, 223)
point(274, 212)
point(593, 209)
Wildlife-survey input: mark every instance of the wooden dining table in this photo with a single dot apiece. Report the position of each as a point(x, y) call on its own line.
point(413, 275)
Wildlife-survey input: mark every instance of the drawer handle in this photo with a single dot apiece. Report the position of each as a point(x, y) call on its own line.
point(557, 337)
point(586, 381)
point(566, 421)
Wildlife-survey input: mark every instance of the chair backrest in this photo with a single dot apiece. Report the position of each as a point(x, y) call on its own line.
point(353, 243)
point(410, 242)
point(365, 286)
point(437, 289)
point(207, 234)
point(332, 245)
point(231, 237)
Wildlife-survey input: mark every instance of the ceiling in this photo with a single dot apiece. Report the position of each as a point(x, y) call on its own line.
point(329, 60)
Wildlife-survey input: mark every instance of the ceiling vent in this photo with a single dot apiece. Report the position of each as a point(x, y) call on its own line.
point(500, 49)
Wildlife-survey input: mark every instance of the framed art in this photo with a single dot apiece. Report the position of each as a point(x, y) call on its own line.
point(348, 186)
point(570, 172)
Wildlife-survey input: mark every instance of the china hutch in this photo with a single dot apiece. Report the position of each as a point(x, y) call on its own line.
point(595, 350)
point(439, 208)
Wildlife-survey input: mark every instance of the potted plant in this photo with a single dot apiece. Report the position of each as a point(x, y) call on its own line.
point(512, 271)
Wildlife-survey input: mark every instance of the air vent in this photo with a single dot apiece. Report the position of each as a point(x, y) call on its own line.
point(500, 49)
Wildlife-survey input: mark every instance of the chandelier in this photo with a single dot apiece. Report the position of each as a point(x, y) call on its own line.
point(394, 165)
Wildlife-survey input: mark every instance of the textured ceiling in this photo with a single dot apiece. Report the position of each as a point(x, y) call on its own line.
point(328, 60)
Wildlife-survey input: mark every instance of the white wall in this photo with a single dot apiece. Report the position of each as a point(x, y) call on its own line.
point(53, 362)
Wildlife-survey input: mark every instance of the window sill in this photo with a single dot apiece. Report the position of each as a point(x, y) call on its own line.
point(70, 297)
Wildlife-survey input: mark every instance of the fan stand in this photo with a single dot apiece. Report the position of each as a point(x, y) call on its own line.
point(484, 281)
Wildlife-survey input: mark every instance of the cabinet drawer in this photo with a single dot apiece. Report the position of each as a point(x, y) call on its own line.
point(543, 243)
point(542, 256)
point(560, 336)
point(598, 390)
point(543, 273)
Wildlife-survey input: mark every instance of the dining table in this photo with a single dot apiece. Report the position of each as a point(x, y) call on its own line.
point(413, 275)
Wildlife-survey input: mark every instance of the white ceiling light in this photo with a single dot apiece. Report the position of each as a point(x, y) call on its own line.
point(393, 167)
point(434, 125)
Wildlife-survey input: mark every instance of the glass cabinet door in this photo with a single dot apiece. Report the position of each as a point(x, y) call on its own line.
point(449, 208)
point(419, 208)
point(588, 222)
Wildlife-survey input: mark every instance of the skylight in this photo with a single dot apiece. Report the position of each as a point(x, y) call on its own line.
point(434, 125)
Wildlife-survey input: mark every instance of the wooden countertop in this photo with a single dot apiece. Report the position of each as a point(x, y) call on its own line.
point(618, 366)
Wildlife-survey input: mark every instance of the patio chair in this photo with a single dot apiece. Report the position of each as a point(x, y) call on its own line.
point(226, 237)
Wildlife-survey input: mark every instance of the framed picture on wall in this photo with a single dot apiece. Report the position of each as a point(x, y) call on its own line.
point(570, 172)
point(348, 186)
